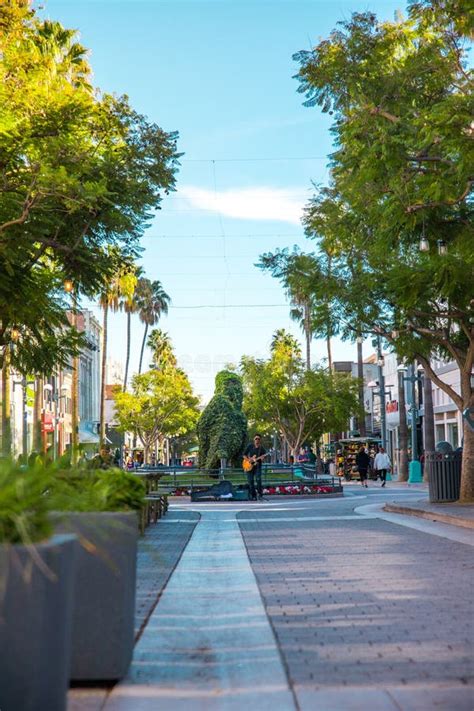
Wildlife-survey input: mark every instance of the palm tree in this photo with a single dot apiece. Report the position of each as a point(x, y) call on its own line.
point(152, 301)
point(160, 344)
point(120, 287)
point(129, 304)
point(281, 337)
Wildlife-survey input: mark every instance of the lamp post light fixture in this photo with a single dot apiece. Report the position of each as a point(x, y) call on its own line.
point(442, 247)
point(424, 244)
point(414, 469)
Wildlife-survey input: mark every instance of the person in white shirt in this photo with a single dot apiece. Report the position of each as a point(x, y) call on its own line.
point(382, 464)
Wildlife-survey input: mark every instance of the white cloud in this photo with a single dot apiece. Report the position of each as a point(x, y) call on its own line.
point(255, 203)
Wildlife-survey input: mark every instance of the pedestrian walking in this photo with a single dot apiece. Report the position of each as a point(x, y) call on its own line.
point(382, 464)
point(362, 463)
point(253, 456)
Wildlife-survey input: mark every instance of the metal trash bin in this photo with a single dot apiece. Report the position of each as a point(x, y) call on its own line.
point(444, 475)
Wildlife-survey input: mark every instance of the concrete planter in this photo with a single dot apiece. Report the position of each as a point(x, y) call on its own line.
point(35, 625)
point(104, 603)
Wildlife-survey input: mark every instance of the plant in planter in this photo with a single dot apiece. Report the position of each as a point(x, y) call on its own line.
point(101, 507)
point(36, 594)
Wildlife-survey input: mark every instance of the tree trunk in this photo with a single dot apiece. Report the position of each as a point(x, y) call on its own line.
point(6, 405)
point(307, 331)
point(403, 432)
point(360, 375)
point(142, 349)
point(127, 360)
point(103, 374)
point(428, 421)
point(467, 477)
point(38, 406)
point(328, 344)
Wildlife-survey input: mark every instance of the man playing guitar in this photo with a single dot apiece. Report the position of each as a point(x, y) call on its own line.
point(253, 456)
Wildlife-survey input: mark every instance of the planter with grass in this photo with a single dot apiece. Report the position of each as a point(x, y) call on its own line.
point(36, 595)
point(101, 508)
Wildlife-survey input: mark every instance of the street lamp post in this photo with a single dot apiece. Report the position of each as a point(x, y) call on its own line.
point(70, 288)
point(23, 383)
point(414, 469)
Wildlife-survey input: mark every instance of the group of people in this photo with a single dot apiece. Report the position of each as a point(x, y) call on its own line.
point(381, 465)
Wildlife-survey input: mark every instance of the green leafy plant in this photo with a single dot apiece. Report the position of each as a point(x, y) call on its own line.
point(96, 490)
point(23, 503)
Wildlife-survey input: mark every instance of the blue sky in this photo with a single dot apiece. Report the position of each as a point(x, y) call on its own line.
point(220, 73)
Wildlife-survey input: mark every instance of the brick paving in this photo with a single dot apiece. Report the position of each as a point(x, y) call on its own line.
point(364, 603)
point(159, 550)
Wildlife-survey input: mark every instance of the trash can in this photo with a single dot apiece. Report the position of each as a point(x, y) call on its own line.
point(444, 475)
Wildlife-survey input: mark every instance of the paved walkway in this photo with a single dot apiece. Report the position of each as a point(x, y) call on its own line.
point(368, 614)
point(453, 513)
point(158, 554)
point(309, 606)
point(208, 644)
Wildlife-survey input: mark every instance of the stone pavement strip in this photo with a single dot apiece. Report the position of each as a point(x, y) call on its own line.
point(453, 513)
point(159, 550)
point(208, 644)
point(369, 615)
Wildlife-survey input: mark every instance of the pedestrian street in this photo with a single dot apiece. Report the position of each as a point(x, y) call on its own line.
point(307, 604)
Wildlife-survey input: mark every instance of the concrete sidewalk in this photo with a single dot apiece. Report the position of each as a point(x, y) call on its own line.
point(453, 513)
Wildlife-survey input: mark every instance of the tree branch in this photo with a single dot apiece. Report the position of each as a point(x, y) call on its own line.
point(378, 111)
point(440, 203)
point(457, 399)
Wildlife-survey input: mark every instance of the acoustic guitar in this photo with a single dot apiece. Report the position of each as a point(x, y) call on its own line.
point(248, 463)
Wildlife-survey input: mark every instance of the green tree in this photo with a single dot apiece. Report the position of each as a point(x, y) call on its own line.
point(120, 288)
point(222, 427)
point(80, 171)
point(281, 393)
point(161, 404)
point(401, 178)
point(307, 280)
point(152, 302)
point(162, 349)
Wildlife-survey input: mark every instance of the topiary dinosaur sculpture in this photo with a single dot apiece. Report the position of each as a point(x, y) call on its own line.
point(222, 427)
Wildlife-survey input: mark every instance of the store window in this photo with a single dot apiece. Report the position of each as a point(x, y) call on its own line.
point(453, 434)
point(440, 433)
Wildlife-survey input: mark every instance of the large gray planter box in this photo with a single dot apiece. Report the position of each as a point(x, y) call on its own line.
point(104, 600)
point(35, 625)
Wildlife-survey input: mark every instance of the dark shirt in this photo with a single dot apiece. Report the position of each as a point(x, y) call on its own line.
point(362, 460)
point(253, 451)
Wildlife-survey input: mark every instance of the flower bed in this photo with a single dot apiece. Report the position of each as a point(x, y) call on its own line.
point(282, 490)
point(297, 489)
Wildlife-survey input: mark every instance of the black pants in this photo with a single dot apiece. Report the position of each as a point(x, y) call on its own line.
point(363, 474)
point(382, 474)
point(251, 476)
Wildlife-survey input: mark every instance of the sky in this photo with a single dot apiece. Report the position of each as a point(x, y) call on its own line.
point(221, 74)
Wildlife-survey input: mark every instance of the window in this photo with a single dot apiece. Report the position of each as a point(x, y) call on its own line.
point(440, 433)
point(453, 434)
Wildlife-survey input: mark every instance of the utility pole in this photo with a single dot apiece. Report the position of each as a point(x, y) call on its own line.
point(383, 418)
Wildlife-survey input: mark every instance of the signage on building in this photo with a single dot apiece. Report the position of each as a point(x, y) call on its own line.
point(47, 424)
point(391, 406)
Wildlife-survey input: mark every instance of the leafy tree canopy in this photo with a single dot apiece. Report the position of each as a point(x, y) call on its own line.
point(80, 171)
point(401, 175)
point(161, 404)
point(281, 393)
